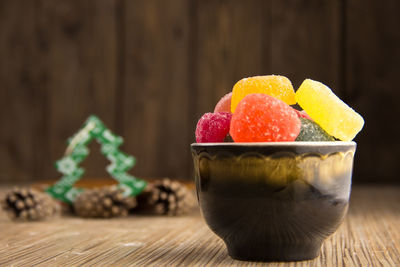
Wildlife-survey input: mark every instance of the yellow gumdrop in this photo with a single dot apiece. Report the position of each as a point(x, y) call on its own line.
point(274, 85)
point(326, 109)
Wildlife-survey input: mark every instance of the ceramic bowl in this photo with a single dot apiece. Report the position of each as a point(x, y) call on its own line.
point(273, 201)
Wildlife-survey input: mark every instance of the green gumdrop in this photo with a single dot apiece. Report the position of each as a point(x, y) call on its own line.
point(310, 131)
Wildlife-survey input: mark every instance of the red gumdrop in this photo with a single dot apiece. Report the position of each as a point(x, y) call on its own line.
point(263, 118)
point(302, 114)
point(213, 127)
point(224, 104)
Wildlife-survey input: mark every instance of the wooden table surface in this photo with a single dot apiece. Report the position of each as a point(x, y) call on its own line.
point(369, 236)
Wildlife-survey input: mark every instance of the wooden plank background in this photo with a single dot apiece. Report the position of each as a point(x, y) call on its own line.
point(150, 69)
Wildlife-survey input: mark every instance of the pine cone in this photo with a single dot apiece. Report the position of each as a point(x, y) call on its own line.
point(29, 204)
point(105, 202)
point(165, 197)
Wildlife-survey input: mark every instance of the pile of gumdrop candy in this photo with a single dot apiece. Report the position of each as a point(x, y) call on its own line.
point(259, 110)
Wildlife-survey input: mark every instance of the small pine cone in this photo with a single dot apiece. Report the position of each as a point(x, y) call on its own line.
point(105, 202)
point(166, 197)
point(29, 204)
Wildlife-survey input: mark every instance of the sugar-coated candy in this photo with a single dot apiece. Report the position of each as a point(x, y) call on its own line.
point(274, 85)
point(310, 131)
point(302, 114)
point(213, 127)
point(224, 104)
point(328, 111)
point(263, 118)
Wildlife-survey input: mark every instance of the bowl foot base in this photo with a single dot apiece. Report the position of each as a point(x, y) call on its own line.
point(274, 252)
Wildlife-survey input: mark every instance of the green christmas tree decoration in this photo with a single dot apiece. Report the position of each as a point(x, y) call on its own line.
point(77, 151)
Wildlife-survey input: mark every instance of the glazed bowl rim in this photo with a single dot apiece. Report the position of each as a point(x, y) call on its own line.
point(279, 144)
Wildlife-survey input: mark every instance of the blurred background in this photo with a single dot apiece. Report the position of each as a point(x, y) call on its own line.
point(150, 69)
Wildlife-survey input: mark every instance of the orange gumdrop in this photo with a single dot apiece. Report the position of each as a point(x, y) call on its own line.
point(263, 118)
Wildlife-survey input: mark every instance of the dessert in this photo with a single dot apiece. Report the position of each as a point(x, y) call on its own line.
point(326, 109)
point(213, 127)
point(224, 104)
point(274, 85)
point(268, 196)
point(310, 131)
point(263, 118)
point(261, 112)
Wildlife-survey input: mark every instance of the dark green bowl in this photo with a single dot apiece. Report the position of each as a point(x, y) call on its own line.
point(273, 201)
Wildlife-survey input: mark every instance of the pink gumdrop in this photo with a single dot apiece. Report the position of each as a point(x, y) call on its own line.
point(302, 114)
point(213, 127)
point(224, 104)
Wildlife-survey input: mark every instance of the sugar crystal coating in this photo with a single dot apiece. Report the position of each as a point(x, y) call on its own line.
point(213, 127)
point(328, 111)
point(224, 104)
point(310, 131)
point(274, 85)
point(263, 118)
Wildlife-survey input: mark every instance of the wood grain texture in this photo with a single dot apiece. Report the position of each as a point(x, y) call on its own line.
point(63, 70)
point(372, 75)
point(232, 42)
point(80, 63)
point(155, 86)
point(369, 236)
point(306, 31)
point(22, 95)
point(150, 69)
